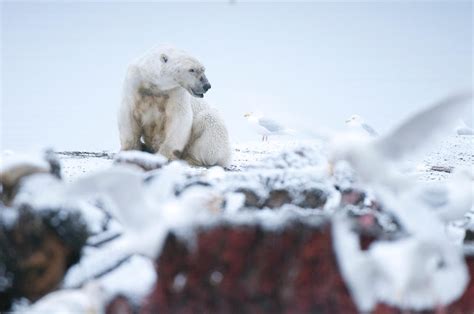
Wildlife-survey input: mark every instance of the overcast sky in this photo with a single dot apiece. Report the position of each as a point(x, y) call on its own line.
point(309, 65)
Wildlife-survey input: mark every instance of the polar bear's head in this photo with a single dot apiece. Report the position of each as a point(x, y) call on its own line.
point(168, 68)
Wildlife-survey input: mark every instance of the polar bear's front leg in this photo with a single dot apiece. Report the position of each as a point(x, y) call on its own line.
point(129, 129)
point(179, 120)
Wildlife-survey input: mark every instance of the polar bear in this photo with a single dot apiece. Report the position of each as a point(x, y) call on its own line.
point(162, 110)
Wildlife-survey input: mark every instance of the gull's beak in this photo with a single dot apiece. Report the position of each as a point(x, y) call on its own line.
point(246, 115)
point(347, 121)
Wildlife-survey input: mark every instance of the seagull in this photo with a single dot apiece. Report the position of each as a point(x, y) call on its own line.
point(424, 269)
point(372, 158)
point(266, 126)
point(357, 121)
point(420, 271)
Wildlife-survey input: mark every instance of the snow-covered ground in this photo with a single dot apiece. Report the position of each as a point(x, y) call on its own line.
point(455, 151)
point(118, 272)
point(76, 164)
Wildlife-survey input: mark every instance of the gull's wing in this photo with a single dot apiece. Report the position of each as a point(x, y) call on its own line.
point(270, 125)
point(424, 126)
point(435, 196)
point(120, 185)
point(369, 129)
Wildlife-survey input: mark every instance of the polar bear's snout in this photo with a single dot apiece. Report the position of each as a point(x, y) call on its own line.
point(201, 87)
point(206, 85)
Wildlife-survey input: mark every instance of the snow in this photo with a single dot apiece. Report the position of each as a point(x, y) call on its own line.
point(88, 299)
point(95, 261)
point(452, 152)
point(144, 160)
point(76, 164)
point(13, 166)
point(10, 160)
point(134, 279)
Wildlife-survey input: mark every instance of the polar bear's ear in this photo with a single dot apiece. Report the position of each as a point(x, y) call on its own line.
point(164, 58)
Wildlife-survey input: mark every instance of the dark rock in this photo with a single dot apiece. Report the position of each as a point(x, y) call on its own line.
point(442, 169)
point(54, 163)
point(313, 198)
point(352, 197)
point(469, 237)
point(247, 269)
point(251, 198)
point(278, 198)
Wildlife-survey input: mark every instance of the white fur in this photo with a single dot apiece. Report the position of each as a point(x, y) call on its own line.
point(159, 109)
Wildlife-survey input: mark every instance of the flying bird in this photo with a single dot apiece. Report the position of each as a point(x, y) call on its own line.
point(418, 272)
point(147, 209)
point(265, 126)
point(357, 121)
point(424, 269)
point(449, 200)
point(373, 158)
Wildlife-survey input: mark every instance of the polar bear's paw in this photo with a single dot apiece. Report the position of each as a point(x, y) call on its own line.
point(170, 153)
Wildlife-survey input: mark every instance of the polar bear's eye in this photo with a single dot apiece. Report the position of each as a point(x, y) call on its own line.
point(191, 70)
